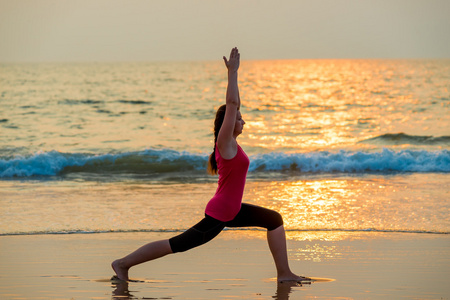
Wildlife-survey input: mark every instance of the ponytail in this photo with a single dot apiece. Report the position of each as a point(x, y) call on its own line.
point(212, 163)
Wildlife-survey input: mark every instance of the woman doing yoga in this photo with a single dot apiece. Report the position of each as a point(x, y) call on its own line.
point(225, 209)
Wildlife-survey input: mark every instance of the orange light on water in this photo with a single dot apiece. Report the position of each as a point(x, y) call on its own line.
point(313, 204)
point(307, 105)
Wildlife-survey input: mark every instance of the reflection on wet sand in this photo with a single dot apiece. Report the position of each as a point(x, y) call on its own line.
point(283, 290)
point(120, 290)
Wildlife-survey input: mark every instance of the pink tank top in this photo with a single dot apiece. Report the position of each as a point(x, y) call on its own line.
point(226, 203)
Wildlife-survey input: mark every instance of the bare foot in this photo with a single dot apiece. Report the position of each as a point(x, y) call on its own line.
point(121, 272)
point(293, 278)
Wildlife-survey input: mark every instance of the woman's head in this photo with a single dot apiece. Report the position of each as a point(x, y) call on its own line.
point(238, 127)
point(220, 116)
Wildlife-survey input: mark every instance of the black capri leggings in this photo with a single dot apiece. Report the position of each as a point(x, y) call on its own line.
point(208, 228)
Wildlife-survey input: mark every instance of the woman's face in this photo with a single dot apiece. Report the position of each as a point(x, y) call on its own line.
point(239, 125)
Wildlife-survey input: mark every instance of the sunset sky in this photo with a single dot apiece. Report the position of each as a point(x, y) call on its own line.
point(137, 30)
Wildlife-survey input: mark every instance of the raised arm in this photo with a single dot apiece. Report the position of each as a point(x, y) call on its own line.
point(226, 141)
point(232, 89)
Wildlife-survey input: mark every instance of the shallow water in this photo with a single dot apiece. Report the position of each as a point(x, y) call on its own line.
point(397, 203)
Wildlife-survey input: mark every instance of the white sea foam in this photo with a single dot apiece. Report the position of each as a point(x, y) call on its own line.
point(167, 161)
point(355, 162)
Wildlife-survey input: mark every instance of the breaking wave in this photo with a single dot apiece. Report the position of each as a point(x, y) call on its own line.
point(169, 161)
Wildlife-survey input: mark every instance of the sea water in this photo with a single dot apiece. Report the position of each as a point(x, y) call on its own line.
point(334, 145)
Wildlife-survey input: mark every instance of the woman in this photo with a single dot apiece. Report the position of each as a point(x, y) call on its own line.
point(225, 209)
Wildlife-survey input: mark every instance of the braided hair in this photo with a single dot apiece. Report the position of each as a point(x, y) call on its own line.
point(220, 116)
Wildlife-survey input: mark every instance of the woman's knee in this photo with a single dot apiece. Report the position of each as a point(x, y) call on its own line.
point(276, 220)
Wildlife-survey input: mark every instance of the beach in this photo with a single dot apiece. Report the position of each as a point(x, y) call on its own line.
point(236, 265)
point(98, 159)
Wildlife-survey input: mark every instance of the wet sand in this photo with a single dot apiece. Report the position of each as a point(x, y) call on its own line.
point(236, 265)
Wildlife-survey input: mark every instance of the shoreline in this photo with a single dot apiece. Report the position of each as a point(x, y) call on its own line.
point(177, 231)
point(236, 264)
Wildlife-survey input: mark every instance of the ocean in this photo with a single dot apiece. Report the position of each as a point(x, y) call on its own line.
point(335, 145)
